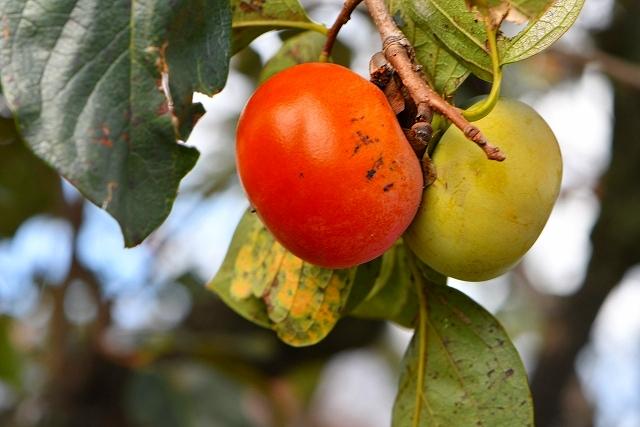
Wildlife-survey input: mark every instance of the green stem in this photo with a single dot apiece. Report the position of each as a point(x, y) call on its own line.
point(479, 111)
point(282, 23)
point(421, 332)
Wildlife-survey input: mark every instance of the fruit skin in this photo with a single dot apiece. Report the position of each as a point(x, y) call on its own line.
point(480, 217)
point(326, 165)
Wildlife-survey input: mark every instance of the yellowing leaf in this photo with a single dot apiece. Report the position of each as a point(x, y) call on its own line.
point(283, 289)
point(272, 287)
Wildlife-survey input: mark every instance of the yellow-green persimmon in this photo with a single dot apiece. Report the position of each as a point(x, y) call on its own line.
point(480, 217)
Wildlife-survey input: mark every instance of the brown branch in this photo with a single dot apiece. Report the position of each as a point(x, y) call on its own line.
point(399, 52)
point(623, 71)
point(344, 16)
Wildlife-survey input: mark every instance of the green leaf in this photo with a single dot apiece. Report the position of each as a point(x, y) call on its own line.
point(252, 18)
point(85, 81)
point(542, 32)
point(266, 284)
point(303, 47)
point(443, 71)
point(27, 185)
point(366, 275)
point(531, 8)
point(513, 10)
point(185, 393)
point(458, 29)
point(472, 372)
point(393, 296)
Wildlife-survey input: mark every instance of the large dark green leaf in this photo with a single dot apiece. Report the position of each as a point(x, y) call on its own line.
point(266, 284)
point(443, 71)
point(85, 79)
point(252, 18)
point(27, 185)
point(472, 374)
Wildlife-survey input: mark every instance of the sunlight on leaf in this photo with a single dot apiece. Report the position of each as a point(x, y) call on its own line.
point(252, 18)
point(530, 8)
point(304, 47)
point(542, 32)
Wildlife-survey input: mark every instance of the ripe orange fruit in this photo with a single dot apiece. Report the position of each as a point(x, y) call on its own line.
point(326, 165)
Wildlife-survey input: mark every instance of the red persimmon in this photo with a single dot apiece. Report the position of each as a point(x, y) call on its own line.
point(326, 165)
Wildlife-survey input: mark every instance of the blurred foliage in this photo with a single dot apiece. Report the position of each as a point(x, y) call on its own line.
point(27, 186)
point(10, 364)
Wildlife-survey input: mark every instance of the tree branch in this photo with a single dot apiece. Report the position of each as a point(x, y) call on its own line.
point(344, 16)
point(623, 71)
point(399, 53)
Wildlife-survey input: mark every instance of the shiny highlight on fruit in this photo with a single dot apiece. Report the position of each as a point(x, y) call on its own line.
point(326, 165)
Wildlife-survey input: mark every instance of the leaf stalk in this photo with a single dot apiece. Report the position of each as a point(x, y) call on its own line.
point(482, 109)
point(399, 53)
point(421, 334)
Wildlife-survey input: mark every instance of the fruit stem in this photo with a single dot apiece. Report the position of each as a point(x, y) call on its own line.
point(421, 336)
point(344, 16)
point(479, 111)
point(399, 53)
point(283, 23)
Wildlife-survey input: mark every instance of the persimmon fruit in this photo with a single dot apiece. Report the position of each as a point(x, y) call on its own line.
point(479, 217)
point(326, 165)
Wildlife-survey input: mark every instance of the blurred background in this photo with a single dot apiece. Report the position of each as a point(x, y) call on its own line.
point(92, 334)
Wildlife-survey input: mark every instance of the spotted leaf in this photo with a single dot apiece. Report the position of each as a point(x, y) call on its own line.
point(268, 285)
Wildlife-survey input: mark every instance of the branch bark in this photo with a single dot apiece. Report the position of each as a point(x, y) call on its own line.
point(399, 53)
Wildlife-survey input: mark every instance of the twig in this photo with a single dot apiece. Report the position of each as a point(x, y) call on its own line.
point(397, 50)
point(344, 16)
point(624, 71)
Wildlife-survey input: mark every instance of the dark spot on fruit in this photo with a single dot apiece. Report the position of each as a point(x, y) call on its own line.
point(387, 187)
point(376, 165)
point(355, 119)
point(301, 175)
point(508, 373)
point(364, 139)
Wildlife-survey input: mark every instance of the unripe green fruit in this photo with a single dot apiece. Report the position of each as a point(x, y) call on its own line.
point(480, 217)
